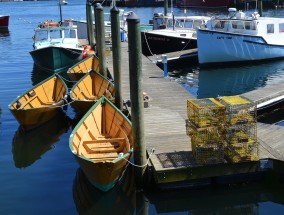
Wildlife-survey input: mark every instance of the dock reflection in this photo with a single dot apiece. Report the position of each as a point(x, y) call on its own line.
point(233, 199)
point(90, 200)
point(29, 146)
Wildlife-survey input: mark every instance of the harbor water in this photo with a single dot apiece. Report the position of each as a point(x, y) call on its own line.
point(38, 173)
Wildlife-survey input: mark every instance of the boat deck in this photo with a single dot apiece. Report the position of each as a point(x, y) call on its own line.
point(165, 129)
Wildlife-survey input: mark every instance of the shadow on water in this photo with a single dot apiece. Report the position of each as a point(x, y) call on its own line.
point(90, 200)
point(29, 146)
point(247, 198)
point(38, 75)
point(4, 32)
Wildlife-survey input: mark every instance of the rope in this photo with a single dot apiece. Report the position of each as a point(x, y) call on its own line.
point(148, 44)
point(65, 78)
point(152, 151)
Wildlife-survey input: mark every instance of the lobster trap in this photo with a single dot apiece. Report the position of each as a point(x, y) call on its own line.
point(239, 110)
point(205, 112)
point(240, 152)
point(211, 153)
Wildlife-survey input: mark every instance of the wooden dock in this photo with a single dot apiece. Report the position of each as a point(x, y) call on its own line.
point(165, 131)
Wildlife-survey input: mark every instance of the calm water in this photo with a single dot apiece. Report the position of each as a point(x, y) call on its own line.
point(38, 174)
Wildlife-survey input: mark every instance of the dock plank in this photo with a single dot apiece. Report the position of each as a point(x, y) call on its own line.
point(165, 125)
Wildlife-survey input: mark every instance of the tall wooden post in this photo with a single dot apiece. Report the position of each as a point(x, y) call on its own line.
point(166, 6)
point(100, 31)
point(116, 55)
point(90, 26)
point(260, 7)
point(136, 96)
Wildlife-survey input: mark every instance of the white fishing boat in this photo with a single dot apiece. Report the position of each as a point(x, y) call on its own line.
point(171, 33)
point(240, 38)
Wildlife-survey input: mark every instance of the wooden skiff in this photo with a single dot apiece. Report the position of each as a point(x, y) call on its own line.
point(39, 104)
point(102, 144)
point(89, 89)
point(76, 72)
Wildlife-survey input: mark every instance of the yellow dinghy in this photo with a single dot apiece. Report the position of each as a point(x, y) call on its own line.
point(102, 144)
point(39, 104)
point(76, 72)
point(89, 89)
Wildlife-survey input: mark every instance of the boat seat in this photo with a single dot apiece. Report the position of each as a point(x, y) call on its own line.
point(104, 145)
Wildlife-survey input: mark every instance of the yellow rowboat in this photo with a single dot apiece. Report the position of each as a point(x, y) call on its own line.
point(102, 144)
point(76, 72)
point(39, 104)
point(89, 89)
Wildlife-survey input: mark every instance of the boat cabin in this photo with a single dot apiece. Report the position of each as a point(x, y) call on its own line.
point(178, 22)
point(65, 36)
point(267, 27)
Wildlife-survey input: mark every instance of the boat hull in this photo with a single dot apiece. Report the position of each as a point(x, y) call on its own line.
point(40, 104)
point(153, 43)
point(56, 59)
point(203, 3)
point(4, 21)
point(227, 48)
point(102, 144)
point(88, 90)
point(76, 72)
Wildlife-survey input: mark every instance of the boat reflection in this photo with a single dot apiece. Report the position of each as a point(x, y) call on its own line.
point(29, 146)
point(4, 32)
point(90, 200)
point(206, 83)
point(39, 75)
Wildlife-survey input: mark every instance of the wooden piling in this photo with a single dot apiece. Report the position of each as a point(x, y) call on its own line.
point(259, 7)
point(166, 5)
point(116, 51)
point(136, 96)
point(100, 38)
point(90, 26)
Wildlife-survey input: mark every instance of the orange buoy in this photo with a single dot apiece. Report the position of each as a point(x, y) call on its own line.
point(87, 48)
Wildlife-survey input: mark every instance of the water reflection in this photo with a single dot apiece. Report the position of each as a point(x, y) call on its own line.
point(249, 198)
point(39, 75)
point(4, 32)
point(204, 83)
point(90, 200)
point(29, 146)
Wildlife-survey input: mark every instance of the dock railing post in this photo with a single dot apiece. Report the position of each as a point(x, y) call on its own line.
point(136, 96)
point(116, 55)
point(100, 38)
point(90, 26)
point(165, 63)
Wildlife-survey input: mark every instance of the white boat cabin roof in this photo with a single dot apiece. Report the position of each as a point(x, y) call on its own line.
point(248, 25)
point(180, 22)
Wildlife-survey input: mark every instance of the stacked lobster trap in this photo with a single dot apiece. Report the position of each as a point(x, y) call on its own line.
point(205, 117)
point(240, 129)
point(222, 128)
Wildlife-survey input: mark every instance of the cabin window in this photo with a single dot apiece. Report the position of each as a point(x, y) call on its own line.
point(197, 23)
point(270, 28)
point(179, 23)
point(41, 35)
point(238, 25)
point(281, 27)
point(188, 24)
point(170, 23)
point(54, 34)
point(68, 33)
point(218, 24)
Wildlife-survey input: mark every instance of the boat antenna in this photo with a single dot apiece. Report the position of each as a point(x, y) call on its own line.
point(60, 10)
point(172, 6)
